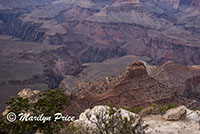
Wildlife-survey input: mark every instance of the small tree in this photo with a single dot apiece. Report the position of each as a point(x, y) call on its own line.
point(48, 103)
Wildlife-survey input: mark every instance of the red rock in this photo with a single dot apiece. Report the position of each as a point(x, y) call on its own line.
point(132, 88)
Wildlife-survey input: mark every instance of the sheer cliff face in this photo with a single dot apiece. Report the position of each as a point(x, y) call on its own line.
point(143, 28)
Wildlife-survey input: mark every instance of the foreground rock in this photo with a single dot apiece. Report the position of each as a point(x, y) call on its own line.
point(193, 115)
point(178, 120)
point(175, 114)
point(101, 119)
point(27, 93)
point(91, 120)
point(157, 125)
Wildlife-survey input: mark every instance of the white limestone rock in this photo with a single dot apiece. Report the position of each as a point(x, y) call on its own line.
point(158, 125)
point(88, 120)
point(28, 93)
point(175, 114)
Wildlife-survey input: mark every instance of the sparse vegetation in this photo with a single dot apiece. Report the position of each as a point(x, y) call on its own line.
point(163, 109)
point(154, 109)
point(115, 123)
point(134, 110)
point(49, 103)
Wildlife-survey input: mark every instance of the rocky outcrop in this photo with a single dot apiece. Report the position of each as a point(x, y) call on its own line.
point(107, 29)
point(132, 88)
point(157, 125)
point(188, 124)
point(138, 85)
point(91, 118)
point(175, 114)
point(31, 95)
point(185, 79)
point(94, 120)
point(135, 70)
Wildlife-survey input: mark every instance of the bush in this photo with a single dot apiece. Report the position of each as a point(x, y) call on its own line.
point(154, 109)
point(113, 124)
point(134, 110)
point(163, 109)
point(49, 103)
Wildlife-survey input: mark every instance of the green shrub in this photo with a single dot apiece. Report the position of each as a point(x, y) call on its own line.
point(49, 103)
point(163, 109)
point(154, 109)
point(114, 124)
point(134, 110)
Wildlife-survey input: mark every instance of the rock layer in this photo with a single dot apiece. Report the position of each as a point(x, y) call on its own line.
point(132, 88)
point(110, 28)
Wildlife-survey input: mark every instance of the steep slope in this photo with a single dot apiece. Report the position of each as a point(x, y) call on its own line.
point(98, 71)
point(32, 65)
point(184, 78)
point(173, 74)
point(132, 88)
point(133, 27)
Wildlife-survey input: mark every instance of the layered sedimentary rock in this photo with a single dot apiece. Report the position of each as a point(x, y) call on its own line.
point(120, 27)
point(132, 88)
point(185, 79)
point(91, 31)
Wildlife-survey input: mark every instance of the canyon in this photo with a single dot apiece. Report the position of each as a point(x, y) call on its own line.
point(130, 55)
point(52, 43)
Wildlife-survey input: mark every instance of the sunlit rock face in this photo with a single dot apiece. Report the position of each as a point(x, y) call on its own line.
point(88, 120)
point(175, 114)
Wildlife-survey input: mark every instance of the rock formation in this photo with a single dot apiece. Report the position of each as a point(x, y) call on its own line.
point(132, 88)
point(31, 95)
point(93, 31)
point(93, 119)
point(155, 123)
point(185, 79)
point(175, 114)
point(102, 30)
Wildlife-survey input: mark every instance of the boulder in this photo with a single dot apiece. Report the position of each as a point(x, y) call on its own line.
point(28, 93)
point(176, 114)
point(91, 119)
point(193, 115)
